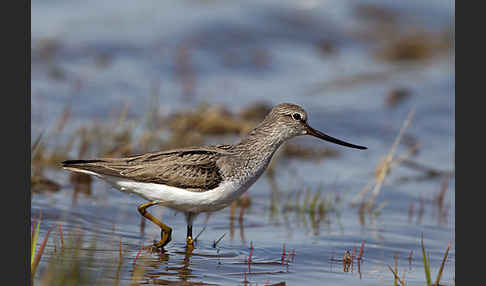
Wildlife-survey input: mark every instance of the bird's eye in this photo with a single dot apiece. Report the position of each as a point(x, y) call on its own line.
point(296, 116)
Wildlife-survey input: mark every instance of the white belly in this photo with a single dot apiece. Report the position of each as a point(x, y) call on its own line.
point(181, 199)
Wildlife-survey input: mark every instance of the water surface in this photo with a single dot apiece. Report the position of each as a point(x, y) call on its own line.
point(322, 55)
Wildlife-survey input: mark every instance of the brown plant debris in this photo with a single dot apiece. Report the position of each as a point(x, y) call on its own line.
point(413, 46)
point(396, 275)
point(255, 112)
point(376, 13)
point(292, 150)
point(46, 48)
point(209, 120)
point(397, 96)
point(384, 167)
point(326, 47)
point(40, 183)
point(347, 261)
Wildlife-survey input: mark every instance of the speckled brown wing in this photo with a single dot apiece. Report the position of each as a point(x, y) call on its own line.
point(193, 169)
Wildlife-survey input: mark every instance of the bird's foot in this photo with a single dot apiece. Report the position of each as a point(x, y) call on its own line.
point(189, 243)
point(158, 246)
point(155, 248)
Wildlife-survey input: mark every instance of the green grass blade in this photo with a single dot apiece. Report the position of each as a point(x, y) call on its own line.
point(34, 241)
point(426, 263)
point(33, 223)
point(38, 256)
point(396, 276)
point(439, 274)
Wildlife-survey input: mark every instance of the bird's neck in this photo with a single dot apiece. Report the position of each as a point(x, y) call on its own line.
point(264, 138)
point(252, 154)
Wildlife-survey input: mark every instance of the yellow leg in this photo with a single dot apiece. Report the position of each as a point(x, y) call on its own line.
point(165, 232)
point(189, 240)
point(190, 216)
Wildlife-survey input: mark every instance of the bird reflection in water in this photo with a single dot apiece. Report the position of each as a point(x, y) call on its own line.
point(152, 270)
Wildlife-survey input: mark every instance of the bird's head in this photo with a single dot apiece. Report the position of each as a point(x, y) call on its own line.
point(290, 120)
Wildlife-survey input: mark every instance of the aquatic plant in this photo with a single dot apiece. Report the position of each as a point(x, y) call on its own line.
point(427, 264)
point(36, 256)
point(426, 260)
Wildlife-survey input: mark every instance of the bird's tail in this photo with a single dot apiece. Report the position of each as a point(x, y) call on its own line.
point(82, 166)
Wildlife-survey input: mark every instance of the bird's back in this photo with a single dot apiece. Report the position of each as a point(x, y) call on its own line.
point(194, 169)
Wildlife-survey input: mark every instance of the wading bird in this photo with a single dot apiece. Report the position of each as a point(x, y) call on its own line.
point(201, 179)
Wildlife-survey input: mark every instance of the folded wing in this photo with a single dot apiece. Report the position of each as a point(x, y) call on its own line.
point(194, 169)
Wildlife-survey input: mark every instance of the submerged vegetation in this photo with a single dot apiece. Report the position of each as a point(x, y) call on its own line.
point(74, 261)
point(426, 261)
point(363, 224)
point(78, 261)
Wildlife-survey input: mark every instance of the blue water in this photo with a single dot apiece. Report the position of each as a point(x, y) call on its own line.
point(113, 53)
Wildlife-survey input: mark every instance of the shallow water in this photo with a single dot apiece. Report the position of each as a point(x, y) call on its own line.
point(110, 54)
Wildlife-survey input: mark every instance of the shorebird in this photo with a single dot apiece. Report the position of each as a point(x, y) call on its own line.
point(201, 179)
